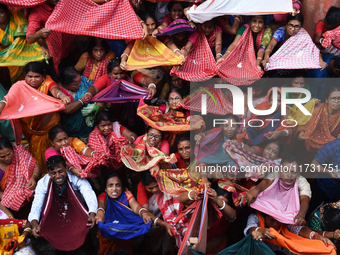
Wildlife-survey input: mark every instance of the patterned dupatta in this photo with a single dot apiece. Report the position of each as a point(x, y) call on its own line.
point(101, 68)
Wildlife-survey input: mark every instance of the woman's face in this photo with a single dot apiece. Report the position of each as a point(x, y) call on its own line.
point(176, 11)
point(118, 73)
point(75, 85)
point(114, 187)
point(298, 82)
point(105, 127)
point(151, 25)
point(256, 24)
point(270, 222)
point(183, 148)
point(230, 128)
point(179, 37)
point(34, 79)
point(154, 137)
point(293, 27)
point(257, 91)
point(98, 52)
point(208, 27)
point(289, 173)
point(61, 140)
point(271, 151)
point(4, 16)
point(174, 99)
point(6, 156)
point(152, 188)
point(333, 100)
point(176, 82)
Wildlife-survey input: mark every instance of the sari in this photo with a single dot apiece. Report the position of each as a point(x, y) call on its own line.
point(321, 128)
point(256, 135)
point(15, 50)
point(238, 192)
point(93, 72)
point(143, 157)
point(294, 243)
point(64, 218)
point(110, 145)
point(75, 123)
point(18, 176)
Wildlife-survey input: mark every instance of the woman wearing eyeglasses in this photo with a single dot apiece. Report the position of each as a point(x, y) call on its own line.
point(292, 28)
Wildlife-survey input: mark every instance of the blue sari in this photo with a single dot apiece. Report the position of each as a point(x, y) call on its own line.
point(74, 123)
point(120, 221)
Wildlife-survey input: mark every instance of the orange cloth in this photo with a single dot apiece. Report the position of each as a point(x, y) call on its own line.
point(295, 243)
point(318, 131)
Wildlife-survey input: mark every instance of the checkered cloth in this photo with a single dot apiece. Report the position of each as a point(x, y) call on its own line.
point(331, 37)
point(200, 64)
point(22, 3)
point(298, 52)
point(239, 67)
point(112, 20)
point(222, 107)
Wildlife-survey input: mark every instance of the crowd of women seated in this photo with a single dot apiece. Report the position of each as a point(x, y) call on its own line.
point(115, 160)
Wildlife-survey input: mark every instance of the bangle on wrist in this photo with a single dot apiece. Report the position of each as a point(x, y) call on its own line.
point(321, 39)
point(228, 51)
point(59, 94)
point(155, 221)
point(257, 229)
point(140, 210)
point(189, 195)
point(69, 169)
point(177, 50)
point(219, 54)
point(124, 54)
point(100, 209)
point(259, 58)
point(152, 85)
point(81, 101)
point(287, 132)
point(84, 150)
point(3, 101)
point(237, 19)
point(133, 137)
point(268, 50)
point(323, 233)
point(221, 208)
point(93, 152)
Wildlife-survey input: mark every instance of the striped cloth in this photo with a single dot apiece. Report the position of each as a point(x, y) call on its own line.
point(151, 52)
point(239, 67)
point(20, 172)
point(112, 20)
point(200, 64)
point(331, 37)
point(22, 3)
point(298, 52)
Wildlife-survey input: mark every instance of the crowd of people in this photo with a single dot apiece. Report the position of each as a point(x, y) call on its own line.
point(103, 148)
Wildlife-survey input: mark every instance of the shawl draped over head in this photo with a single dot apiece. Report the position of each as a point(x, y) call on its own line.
point(20, 172)
point(298, 52)
point(101, 69)
point(296, 244)
point(120, 221)
point(321, 129)
point(111, 146)
point(280, 201)
point(151, 52)
point(172, 120)
point(255, 166)
point(200, 64)
point(90, 167)
point(143, 157)
point(239, 67)
point(257, 134)
point(175, 27)
point(64, 218)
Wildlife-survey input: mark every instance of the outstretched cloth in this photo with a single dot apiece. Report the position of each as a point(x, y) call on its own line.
point(280, 201)
point(217, 103)
point(34, 103)
point(200, 64)
point(111, 147)
point(239, 67)
point(143, 157)
point(151, 52)
point(120, 91)
point(177, 26)
point(64, 218)
point(120, 221)
point(298, 52)
point(331, 37)
point(255, 166)
point(297, 115)
point(247, 246)
point(170, 121)
point(238, 192)
point(90, 167)
point(296, 244)
point(20, 172)
point(22, 3)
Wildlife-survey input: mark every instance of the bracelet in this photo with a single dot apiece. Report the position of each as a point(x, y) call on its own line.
point(152, 85)
point(84, 150)
point(257, 228)
point(93, 152)
point(141, 209)
point(3, 101)
point(160, 28)
point(81, 101)
point(321, 39)
point(89, 93)
point(242, 144)
point(133, 137)
point(259, 58)
point(124, 54)
point(28, 230)
point(311, 234)
point(237, 19)
point(155, 221)
point(323, 234)
point(177, 50)
point(100, 209)
point(69, 169)
point(141, 21)
point(189, 195)
point(268, 50)
point(228, 51)
point(59, 94)
point(219, 54)
point(287, 132)
point(222, 206)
